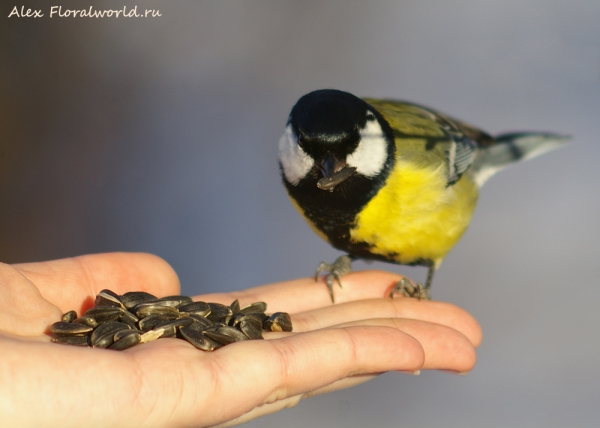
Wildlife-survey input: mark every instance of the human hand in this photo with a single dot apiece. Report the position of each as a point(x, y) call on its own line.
point(170, 383)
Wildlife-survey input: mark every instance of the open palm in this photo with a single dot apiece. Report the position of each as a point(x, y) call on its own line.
point(168, 382)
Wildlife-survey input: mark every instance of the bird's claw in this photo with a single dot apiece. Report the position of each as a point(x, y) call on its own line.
point(341, 266)
point(407, 289)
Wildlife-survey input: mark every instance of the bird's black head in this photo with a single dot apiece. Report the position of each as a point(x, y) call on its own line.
point(328, 120)
point(335, 153)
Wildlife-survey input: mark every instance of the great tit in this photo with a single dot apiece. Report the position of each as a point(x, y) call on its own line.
point(390, 180)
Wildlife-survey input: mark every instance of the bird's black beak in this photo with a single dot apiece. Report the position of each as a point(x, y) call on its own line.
point(330, 165)
point(334, 172)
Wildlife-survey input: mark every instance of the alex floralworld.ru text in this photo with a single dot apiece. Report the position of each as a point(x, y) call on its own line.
point(57, 11)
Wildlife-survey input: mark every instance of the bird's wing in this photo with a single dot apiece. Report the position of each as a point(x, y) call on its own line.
point(446, 140)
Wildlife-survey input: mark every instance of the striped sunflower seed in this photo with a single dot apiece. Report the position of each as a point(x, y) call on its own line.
point(133, 298)
point(198, 308)
point(225, 335)
point(125, 339)
point(146, 309)
point(104, 313)
point(254, 308)
point(108, 298)
point(85, 320)
point(251, 330)
point(72, 340)
point(69, 329)
point(104, 335)
point(175, 300)
point(149, 322)
point(219, 313)
point(199, 340)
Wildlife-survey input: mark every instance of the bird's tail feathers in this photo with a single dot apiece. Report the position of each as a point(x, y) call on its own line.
point(510, 148)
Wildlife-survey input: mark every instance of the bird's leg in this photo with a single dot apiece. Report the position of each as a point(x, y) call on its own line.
point(341, 266)
point(406, 287)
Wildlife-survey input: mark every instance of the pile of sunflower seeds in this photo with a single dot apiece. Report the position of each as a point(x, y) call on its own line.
point(120, 322)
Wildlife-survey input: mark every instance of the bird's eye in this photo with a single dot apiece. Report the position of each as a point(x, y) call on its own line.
point(301, 140)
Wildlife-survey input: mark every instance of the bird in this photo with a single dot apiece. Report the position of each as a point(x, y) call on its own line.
point(391, 180)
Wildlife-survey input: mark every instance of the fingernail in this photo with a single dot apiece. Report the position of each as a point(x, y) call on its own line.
point(414, 373)
point(454, 372)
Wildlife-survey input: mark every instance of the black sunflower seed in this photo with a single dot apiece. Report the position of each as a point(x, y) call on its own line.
point(254, 307)
point(122, 333)
point(279, 321)
point(69, 329)
point(86, 320)
point(72, 340)
point(108, 298)
point(147, 309)
point(199, 340)
point(69, 316)
point(125, 339)
point(103, 335)
point(133, 298)
point(235, 306)
point(177, 323)
point(104, 313)
point(225, 335)
point(219, 313)
point(198, 308)
point(175, 300)
point(240, 316)
point(250, 330)
point(200, 322)
point(149, 322)
point(129, 319)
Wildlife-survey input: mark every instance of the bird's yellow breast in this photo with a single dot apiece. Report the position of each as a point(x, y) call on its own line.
point(416, 215)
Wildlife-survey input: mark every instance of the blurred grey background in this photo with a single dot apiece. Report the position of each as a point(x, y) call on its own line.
point(160, 135)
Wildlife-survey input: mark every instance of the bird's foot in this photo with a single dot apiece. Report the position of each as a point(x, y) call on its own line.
point(341, 266)
point(407, 289)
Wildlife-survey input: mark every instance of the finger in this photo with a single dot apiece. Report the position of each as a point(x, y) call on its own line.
point(74, 282)
point(23, 310)
point(304, 294)
point(201, 388)
point(425, 310)
point(444, 347)
point(300, 363)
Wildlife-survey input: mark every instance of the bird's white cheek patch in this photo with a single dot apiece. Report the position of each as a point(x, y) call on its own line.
point(294, 161)
point(371, 153)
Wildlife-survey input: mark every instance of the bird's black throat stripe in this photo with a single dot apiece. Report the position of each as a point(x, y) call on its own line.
point(334, 213)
